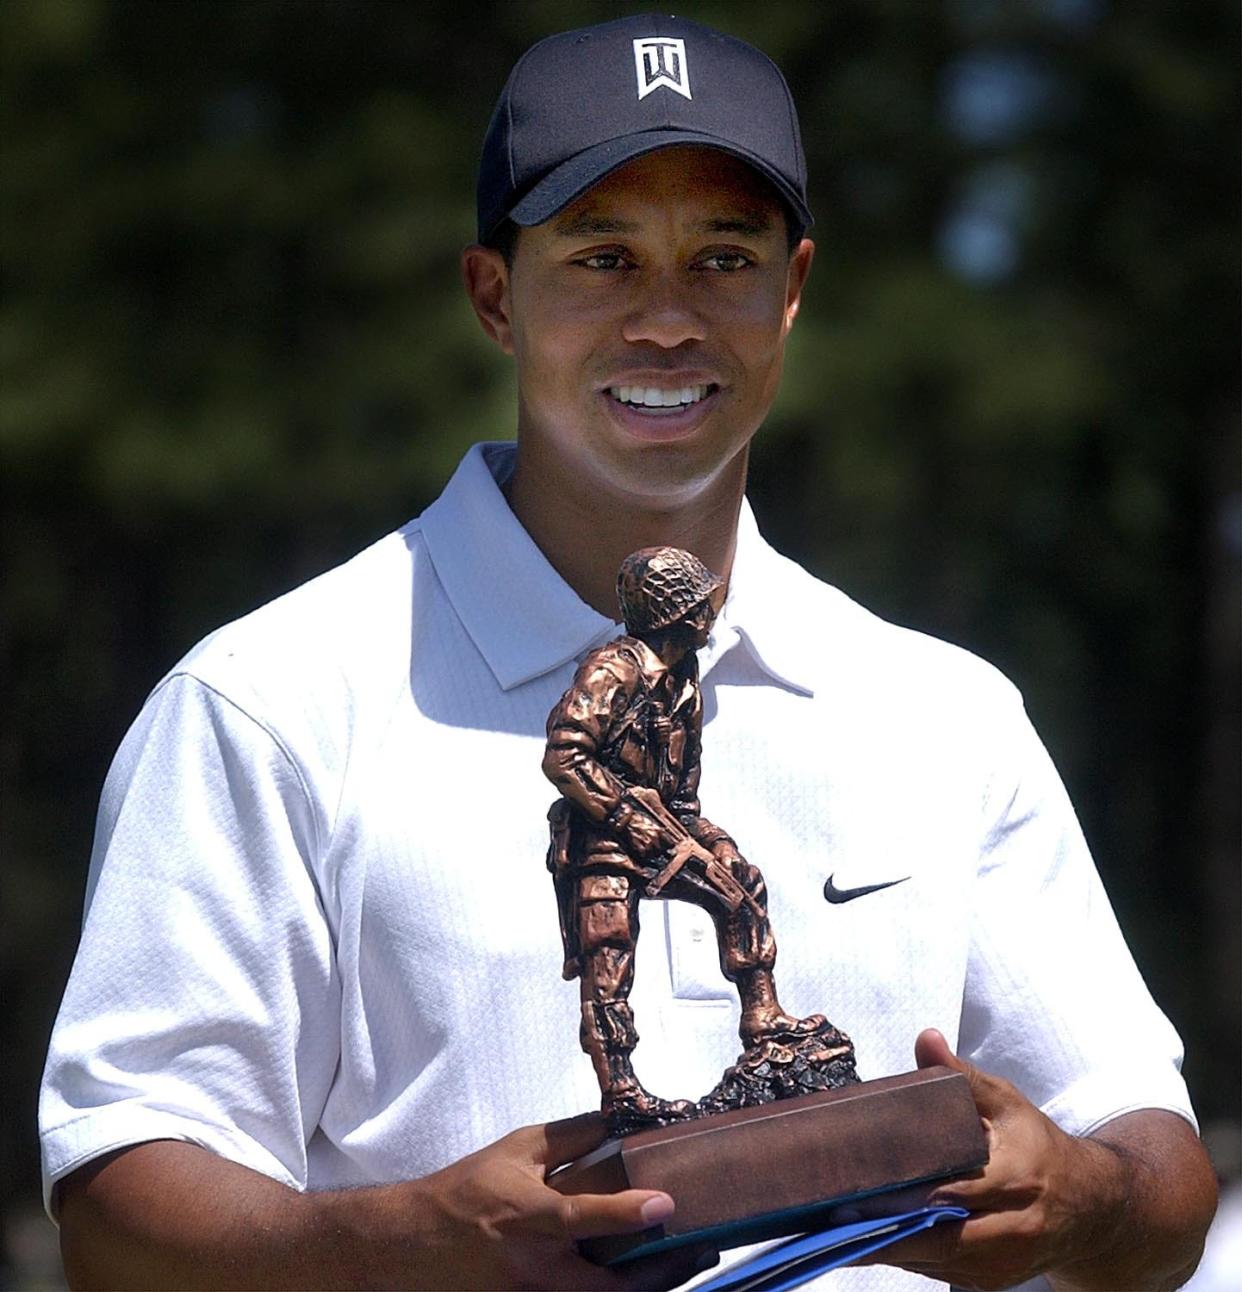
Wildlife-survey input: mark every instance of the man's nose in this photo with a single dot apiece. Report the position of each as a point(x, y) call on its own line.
point(664, 313)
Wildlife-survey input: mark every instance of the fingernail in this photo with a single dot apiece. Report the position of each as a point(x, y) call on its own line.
point(656, 1210)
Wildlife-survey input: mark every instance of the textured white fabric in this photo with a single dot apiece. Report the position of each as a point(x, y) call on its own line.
point(321, 940)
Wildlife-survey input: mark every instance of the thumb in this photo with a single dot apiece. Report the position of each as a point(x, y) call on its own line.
point(989, 1092)
point(932, 1050)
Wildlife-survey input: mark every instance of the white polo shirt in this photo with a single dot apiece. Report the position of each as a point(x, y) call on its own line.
point(321, 940)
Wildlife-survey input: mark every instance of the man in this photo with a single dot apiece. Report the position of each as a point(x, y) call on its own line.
point(316, 983)
point(623, 748)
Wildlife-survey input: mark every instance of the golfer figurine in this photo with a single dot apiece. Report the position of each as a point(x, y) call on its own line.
point(623, 749)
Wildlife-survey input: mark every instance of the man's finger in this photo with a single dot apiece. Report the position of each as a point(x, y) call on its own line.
point(982, 1246)
point(931, 1249)
point(975, 1193)
point(591, 1215)
point(931, 1049)
point(992, 1095)
point(556, 1143)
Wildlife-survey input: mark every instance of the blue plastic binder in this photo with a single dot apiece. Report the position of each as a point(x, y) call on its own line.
point(795, 1261)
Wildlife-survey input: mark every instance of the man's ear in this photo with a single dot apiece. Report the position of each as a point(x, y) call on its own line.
point(799, 268)
point(486, 277)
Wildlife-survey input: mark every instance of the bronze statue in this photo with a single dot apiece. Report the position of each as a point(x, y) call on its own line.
point(623, 748)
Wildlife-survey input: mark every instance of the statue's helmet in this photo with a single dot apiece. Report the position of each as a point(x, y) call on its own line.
point(657, 586)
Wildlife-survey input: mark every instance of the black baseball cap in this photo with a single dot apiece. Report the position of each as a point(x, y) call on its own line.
point(582, 103)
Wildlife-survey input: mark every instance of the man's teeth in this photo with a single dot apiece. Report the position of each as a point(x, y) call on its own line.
point(654, 397)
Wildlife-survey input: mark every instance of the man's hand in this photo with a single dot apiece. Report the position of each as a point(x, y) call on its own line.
point(643, 832)
point(644, 836)
point(1126, 1208)
point(496, 1224)
point(168, 1214)
point(725, 850)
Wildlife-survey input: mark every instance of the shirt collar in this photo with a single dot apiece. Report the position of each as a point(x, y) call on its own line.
point(526, 620)
point(766, 609)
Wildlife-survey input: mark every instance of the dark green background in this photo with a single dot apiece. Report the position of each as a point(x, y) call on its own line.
point(235, 350)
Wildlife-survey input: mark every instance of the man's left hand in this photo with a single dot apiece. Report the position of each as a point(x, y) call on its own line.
point(1049, 1203)
point(725, 850)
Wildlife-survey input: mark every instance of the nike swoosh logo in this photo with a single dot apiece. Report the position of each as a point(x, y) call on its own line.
point(838, 895)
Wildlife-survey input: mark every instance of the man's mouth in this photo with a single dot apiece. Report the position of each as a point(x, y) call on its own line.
point(660, 400)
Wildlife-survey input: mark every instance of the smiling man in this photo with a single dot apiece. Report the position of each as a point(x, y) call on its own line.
point(648, 322)
point(316, 1034)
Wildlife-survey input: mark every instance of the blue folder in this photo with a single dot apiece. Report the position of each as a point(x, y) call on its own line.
point(795, 1261)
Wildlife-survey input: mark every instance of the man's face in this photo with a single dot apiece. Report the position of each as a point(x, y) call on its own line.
point(648, 321)
point(697, 625)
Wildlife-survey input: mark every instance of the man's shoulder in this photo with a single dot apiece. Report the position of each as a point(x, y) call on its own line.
point(624, 652)
point(848, 644)
point(336, 633)
point(627, 660)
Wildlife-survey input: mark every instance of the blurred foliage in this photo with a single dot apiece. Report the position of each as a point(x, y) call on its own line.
point(235, 349)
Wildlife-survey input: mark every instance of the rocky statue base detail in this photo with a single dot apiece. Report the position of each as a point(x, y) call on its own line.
point(777, 1068)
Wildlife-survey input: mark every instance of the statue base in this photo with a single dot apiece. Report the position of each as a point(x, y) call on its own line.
point(779, 1067)
point(763, 1172)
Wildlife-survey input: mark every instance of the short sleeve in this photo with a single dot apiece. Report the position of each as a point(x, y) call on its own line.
point(1054, 1001)
point(204, 1003)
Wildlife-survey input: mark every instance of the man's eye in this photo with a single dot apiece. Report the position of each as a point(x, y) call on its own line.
point(602, 260)
point(725, 261)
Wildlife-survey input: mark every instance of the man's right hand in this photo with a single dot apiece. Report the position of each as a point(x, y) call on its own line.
point(645, 834)
point(645, 837)
point(497, 1224)
point(169, 1214)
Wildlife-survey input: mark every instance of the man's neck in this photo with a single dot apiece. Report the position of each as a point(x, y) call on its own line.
point(585, 534)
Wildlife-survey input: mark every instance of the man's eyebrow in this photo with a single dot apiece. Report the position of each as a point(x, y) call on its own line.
point(749, 225)
point(588, 225)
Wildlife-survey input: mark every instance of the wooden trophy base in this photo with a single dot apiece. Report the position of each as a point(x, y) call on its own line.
point(764, 1172)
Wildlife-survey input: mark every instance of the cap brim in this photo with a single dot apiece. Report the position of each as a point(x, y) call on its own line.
point(572, 178)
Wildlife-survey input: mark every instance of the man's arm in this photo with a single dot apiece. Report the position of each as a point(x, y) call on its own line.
point(601, 692)
point(169, 1214)
point(1127, 1207)
point(577, 727)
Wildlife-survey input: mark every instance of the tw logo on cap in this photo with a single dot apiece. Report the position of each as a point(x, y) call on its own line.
point(661, 60)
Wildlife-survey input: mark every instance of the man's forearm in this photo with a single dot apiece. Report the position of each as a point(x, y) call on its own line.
point(1154, 1194)
point(1125, 1208)
point(168, 1214)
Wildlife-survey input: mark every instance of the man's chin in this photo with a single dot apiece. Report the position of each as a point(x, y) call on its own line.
point(673, 475)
